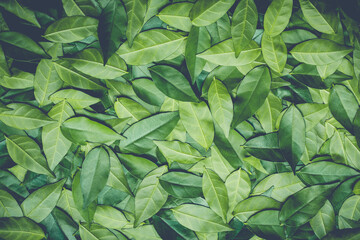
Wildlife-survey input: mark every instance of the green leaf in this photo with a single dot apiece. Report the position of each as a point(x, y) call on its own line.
point(269, 112)
point(172, 83)
point(47, 81)
point(127, 108)
point(86, 213)
point(199, 218)
point(274, 52)
point(299, 208)
point(252, 205)
point(266, 224)
point(71, 8)
point(18, 80)
point(146, 232)
point(351, 234)
point(110, 217)
point(150, 196)
point(243, 25)
point(39, 204)
point(215, 193)
point(20, 228)
point(147, 91)
point(137, 166)
point(319, 52)
point(251, 94)
point(117, 178)
point(175, 151)
point(313, 113)
point(112, 28)
point(20, 46)
point(136, 10)
point(22, 12)
point(9, 206)
point(277, 17)
point(25, 152)
point(221, 105)
point(198, 40)
point(94, 174)
point(55, 145)
point(81, 130)
point(325, 172)
point(343, 106)
point(292, 136)
point(96, 232)
point(25, 117)
point(71, 76)
point(223, 54)
point(71, 29)
point(206, 12)
point(238, 187)
point(324, 221)
point(282, 185)
point(139, 136)
point(322, 22)
point(67, 203)
point(177, 15)
point(77, 99)
point(198, 122)
point(181, 184)
point(163, 43)
point(91, 63)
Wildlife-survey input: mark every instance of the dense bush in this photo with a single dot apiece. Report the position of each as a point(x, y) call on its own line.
point(160, 119)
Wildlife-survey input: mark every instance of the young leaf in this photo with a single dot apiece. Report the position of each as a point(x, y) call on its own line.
point(47, 81)
point(150, 196)
point(39, 204)
point(215, 193)
point(198, 122)
point(274, 52)
point(139, 136)
point(55, 145)
point(112, 28)
point(199, 218)
point(172, 83)
point(243, 25)
point(94, 174)
point(150, 46)
point(304, 205)
point(277, 17)
point(251, 94)
point(206, 12)
point(20, 228)
point(319, 52)
point(175, 151)
point(81, 130)
point(25, 152)
point(71, 29)
point(25, 117)
point(136, 10)
point(292, 136)
point(343, 106)
point(221, 105)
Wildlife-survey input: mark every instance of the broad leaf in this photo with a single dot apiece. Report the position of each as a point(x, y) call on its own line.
point(136, 10)
point(292, 136)
point(251, 94)
point(71, 29)
point(110, 217)
point(77, 99)
point(26, 152)
point(81, 130)
point(177, 15)
point(150, 196)
point(266, 224)
point(199, 218)
point(198, 122)
point(151, 46)
point(9, 206)
point(94, 174)
point(243, 25)
point(181, 184)
point(20, 228)
point(277, 17)
point(206, 12)
point(40, 203)
point(274, 52)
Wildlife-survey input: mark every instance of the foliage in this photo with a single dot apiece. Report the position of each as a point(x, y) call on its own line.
point(171, 119)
